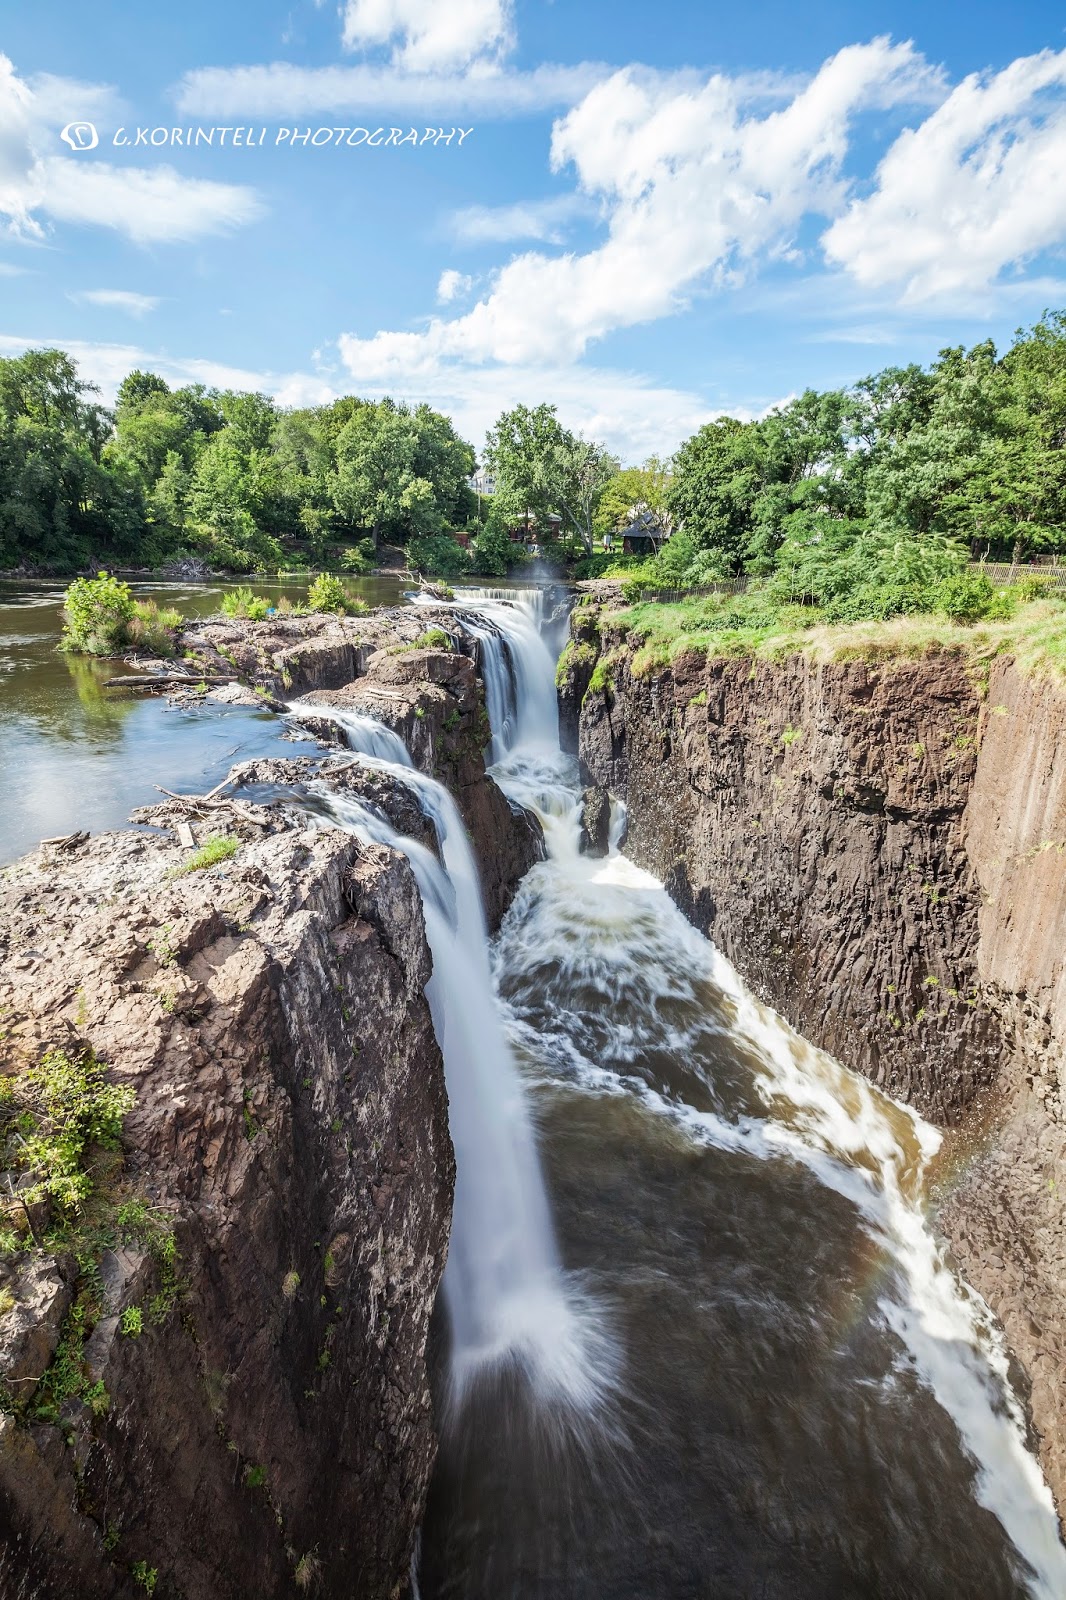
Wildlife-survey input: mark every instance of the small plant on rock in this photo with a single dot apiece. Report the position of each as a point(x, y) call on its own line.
point(132, 1322)
point(218, 848)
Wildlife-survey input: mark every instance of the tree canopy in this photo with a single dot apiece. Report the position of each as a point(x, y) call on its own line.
point(222, 474)
point(972, 449)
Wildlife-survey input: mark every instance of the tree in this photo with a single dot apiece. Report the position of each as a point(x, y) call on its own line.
point(400, 473)
point(638, 494)
point(716, 480)
point(542, 469)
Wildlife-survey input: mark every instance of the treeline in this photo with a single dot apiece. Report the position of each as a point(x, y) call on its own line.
point(965, 458)
point(224, 475)
point(971, 449)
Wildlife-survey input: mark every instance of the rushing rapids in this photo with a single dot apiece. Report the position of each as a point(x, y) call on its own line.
point(771, 1380)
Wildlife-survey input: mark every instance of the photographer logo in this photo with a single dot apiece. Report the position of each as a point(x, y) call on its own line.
point(80, 136)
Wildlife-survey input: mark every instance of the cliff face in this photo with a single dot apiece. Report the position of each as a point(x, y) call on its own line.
point(268, 1429)
point(880, 849)
point(433, 700)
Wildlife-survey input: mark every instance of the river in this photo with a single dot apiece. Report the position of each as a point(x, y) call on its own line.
point(76, 755)
point(700, 1341)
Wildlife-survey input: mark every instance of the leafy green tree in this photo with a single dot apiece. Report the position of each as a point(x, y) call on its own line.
point(542, 469)
point(58, 503)
point(638, 494)
point(400, 473)
point(716, 480)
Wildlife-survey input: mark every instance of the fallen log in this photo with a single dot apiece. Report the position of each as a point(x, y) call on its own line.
point(148, 680)
point(204, 802)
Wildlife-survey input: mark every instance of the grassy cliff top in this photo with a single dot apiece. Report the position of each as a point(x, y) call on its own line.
point(712, 625)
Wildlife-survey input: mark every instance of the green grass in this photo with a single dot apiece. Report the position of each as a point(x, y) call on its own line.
point(218, 848)
point(747, 625)
point(432, 639)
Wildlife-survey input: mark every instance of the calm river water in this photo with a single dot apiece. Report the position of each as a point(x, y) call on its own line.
point(76, 755)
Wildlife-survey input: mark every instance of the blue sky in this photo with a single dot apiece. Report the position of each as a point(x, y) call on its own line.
point(658, 212)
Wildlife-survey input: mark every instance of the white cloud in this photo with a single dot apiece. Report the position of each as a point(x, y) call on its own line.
point(284, 91)
point(135, 305)
point(974, 189)
point(150, 205)
point(696, 185)
point(8, 270)
point(453, 285)
point(526, 219)
point(428, 34)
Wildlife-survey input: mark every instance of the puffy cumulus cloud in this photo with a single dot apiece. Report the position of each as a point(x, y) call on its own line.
point(977, 187)
point(429, 34)
point(127, 300)
point(150, 205)
point(696, 181)
point(452, 285)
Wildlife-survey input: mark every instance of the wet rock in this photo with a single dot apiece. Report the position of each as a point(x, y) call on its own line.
point(595, 822)
point(433, 700)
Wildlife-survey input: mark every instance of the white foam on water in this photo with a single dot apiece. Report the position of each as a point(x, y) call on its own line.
point(612, 927)
point(508, 1300)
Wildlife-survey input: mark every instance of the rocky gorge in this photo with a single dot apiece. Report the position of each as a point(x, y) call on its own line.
point(558, 1264)
point(879, 846)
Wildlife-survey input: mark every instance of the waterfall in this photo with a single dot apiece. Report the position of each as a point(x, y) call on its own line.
point(606, 992)
point(588, 928)
point(507, 1298)
point(516, 666)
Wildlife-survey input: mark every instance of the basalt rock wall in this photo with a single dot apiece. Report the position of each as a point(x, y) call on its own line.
point(880, 849)
point(251, 1416)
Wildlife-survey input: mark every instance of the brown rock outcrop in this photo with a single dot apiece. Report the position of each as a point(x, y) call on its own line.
point(433, 700)
point(270, 1429)
point(880, 849)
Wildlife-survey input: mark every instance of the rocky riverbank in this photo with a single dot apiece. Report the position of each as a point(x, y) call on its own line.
point(880, 849)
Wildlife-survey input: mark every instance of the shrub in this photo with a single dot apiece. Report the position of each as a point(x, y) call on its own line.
point(432, 639)
point(152, 628)
point(96, 615)
point(328, 593)
point(52, 1117)
point(245, 603)
point(969, 596)
point(438, 553)
point(132, 1322)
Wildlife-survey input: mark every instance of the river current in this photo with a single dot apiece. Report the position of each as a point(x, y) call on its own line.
point(784, 1388)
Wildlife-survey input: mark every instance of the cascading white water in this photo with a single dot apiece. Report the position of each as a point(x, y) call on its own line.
point(581, 926)
point(517, 668)
point(507, 1298)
